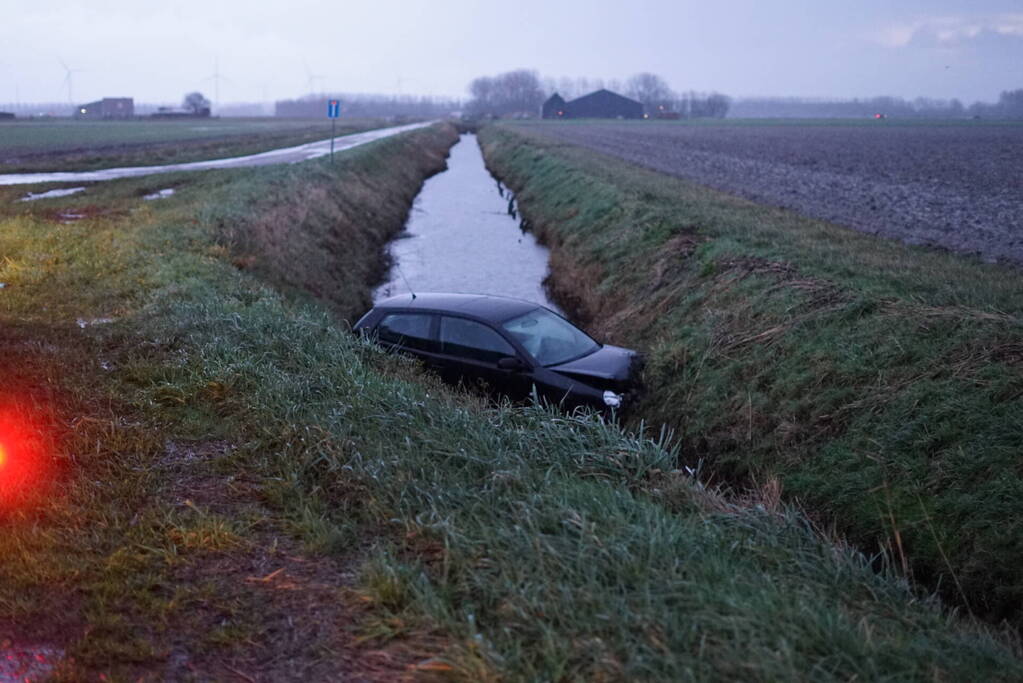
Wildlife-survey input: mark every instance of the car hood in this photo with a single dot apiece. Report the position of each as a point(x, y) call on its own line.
point(609, 363)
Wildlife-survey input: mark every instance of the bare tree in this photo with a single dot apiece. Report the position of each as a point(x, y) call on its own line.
point(1010, 102)
point(482, 90)
point(712, 106)
point(571, 88)
point(651, 90)
point(567, 88)
point(512, 93)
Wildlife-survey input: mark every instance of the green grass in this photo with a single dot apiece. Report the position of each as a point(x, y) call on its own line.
point(145, 542)
point(27, 146)
point(218, 429)
point(880, 383)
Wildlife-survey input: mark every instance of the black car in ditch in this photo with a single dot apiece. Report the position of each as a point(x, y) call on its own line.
point(510, 346)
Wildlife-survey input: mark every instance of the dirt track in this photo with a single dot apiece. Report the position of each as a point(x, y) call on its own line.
point(955, 186)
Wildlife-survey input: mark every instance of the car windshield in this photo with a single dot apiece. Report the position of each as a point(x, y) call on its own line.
point(549, 338)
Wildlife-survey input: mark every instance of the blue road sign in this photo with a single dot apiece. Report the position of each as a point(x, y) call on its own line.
point(333, 109)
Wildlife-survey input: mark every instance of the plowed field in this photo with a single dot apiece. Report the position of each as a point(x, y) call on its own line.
point(957, 186)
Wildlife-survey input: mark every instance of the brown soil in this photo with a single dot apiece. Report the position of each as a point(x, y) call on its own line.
point(303, 605)
point(956, 186)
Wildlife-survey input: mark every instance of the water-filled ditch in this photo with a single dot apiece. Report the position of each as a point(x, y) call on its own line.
point(460, 237)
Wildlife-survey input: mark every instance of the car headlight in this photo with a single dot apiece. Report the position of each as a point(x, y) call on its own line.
point(612, 400)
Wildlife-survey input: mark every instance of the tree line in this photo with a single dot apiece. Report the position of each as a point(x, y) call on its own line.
point(368, 105)
point(1008, 106)
point(521, 92)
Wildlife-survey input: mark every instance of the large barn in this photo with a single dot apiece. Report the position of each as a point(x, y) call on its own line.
point(602, 104)
point(107, 108)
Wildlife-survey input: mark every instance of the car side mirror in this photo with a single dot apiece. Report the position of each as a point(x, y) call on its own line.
point(511, 363)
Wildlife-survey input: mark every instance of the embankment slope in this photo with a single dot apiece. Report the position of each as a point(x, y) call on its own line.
point(882, 384)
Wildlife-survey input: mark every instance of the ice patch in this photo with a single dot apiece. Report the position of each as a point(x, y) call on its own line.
point(83, 323)
point(30, 197)
point(70, 217)
point(160, 194)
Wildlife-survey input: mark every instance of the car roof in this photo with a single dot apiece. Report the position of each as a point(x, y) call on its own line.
point(484, 306)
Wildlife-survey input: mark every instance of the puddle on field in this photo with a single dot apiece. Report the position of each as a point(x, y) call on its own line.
point(86, 322)
point(31, 197)
point(460, 237)
point(160, 194)
point(20, 664)
point(66, 217)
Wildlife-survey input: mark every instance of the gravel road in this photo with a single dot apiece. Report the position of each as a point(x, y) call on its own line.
point(954, 186)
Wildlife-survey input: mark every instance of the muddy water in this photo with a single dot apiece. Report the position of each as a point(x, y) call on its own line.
point(461, 238)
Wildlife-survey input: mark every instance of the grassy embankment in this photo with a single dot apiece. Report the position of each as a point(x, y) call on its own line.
point(151, 550)
point(237, 486)
point(36, 146)
point(882, 384)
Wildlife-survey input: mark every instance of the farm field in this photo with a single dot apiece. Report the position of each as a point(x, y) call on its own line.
point(27, 146)
point(954, 185)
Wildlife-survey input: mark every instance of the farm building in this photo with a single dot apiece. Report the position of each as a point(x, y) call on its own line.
point(172, 113)
point(602, 104)
point(553, 108)
point(106, 109)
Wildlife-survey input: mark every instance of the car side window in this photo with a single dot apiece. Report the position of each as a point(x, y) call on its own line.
point(409, 330)
point(470, 339)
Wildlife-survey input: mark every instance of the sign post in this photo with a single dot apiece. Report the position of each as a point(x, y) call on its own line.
point(333, 111)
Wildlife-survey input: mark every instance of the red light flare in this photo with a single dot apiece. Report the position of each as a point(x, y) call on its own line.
point(23, 455)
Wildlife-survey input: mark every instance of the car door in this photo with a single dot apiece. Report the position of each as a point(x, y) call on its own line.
point(471, 350)
point(411, 333)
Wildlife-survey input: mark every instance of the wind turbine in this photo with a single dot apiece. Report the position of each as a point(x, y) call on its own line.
point(311, 78)
point(217, 77)
point(68, 71)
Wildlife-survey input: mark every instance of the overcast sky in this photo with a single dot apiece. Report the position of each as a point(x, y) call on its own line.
point(157, 51)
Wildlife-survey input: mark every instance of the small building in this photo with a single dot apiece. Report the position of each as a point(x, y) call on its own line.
point(109, 108)
point(553, 108)
point(602, 104)
point(6, 115)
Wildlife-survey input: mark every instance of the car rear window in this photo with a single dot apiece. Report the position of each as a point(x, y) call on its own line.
point(473, 340)
point(408, 330)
